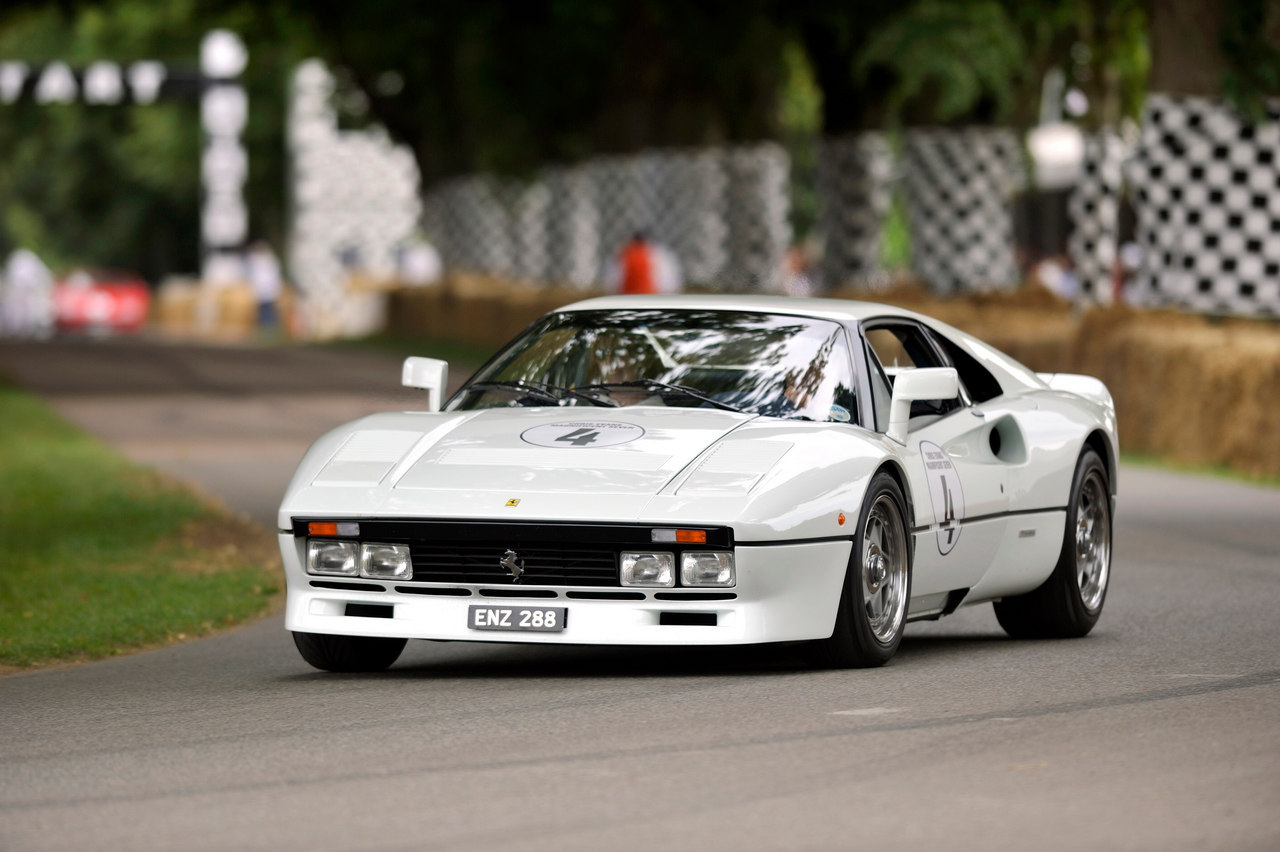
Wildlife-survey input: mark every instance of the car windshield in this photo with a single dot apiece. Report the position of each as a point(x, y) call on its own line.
point(767, 364)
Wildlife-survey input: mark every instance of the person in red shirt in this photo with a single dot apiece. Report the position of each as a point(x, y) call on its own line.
point(637, 262)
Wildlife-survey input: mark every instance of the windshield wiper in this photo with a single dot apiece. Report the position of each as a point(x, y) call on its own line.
point(540, 391)
point(663, 388)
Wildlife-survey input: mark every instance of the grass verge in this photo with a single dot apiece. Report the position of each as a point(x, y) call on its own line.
point(99, 556)
point(1215, 471)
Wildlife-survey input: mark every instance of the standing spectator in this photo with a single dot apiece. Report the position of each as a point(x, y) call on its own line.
point(27, 309)
point(637, 266)
point(263, 271)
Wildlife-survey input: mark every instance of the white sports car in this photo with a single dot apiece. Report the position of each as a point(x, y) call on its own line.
point(707, 470)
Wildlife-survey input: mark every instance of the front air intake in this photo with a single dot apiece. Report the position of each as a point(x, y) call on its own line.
point(687, 619)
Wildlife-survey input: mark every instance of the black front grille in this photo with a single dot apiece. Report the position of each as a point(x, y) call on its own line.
point(469, 562)
point(471, 552)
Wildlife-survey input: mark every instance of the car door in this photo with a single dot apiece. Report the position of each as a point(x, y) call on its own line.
point(958, 484)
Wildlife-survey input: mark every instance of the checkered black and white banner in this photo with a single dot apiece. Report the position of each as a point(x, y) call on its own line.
point(1207, 186)
point(721, 213)
point(958, 185)
point(1094, 208)
point(855, 188)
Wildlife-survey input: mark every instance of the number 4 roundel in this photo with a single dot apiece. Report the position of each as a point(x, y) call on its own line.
point(576, 434)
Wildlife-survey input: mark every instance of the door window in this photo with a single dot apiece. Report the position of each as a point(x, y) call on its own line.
point(896, 348)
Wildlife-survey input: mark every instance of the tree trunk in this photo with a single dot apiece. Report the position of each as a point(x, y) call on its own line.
point(1186, 56)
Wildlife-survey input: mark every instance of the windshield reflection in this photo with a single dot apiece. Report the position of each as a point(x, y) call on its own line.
point(766, 364)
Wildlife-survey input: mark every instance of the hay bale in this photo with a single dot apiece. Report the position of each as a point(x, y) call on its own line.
point(174, 308)
point(1188, 388)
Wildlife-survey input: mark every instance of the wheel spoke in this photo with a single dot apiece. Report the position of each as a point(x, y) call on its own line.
point(884, 570)
point(1093, 542)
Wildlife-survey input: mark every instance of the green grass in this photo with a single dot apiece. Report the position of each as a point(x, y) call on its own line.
point(1216, 471)
point(99, 556)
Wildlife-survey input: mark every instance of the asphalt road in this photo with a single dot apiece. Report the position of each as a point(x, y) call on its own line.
point(1161, 730)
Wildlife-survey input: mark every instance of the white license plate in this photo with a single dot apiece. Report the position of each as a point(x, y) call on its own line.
point(544, 619)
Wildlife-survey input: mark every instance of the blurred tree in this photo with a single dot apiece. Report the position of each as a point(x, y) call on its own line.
point(950, 62)
point(984, 61)
point(1110, 59)
point(1250, 43)
point(119, 185)
point(800, 118)
point(507, 87)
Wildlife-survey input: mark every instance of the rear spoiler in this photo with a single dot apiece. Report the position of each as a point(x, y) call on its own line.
point(1086, 386)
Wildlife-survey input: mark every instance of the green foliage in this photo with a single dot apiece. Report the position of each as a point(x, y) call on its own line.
point(95, 559)
point(800, 116)
point(1119, 59)
point(508, 87)
point(950, 59)
point(983, 61)
point(895, 248)
point(119, 186)
point(1250, 41)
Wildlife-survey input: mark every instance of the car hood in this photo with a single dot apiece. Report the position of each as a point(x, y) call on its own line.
point(517, 463)
point(632, 451)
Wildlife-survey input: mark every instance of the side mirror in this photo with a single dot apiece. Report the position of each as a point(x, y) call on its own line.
point(429, 374)
point(910, 385)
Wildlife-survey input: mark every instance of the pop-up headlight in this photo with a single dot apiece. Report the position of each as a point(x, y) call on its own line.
point(332, 557)
point(710, 568)
point(648, 569)
point(385, 562)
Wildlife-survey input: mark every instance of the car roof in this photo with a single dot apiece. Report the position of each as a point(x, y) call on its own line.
point(835, 309)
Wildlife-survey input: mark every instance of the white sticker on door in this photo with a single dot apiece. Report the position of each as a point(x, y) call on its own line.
point(945, 493)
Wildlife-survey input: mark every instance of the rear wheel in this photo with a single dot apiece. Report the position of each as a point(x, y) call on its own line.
point(1069, 602)
point(877, 584)
point(348, 653)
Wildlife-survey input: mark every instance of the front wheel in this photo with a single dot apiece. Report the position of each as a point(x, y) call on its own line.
point(348, 653)
point(877, 584)
point(1069, 602)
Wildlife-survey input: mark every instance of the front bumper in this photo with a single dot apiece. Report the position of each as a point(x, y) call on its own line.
point(784, 592)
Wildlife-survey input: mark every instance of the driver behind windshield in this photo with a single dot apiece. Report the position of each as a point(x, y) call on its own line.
point(771, 365)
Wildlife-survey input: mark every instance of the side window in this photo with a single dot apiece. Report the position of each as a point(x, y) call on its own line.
point(976, 378)
point(899, 347)
point(881, 392)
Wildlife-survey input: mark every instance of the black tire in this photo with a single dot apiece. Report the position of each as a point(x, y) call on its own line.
point(873, 602)
point(1068, 604)
point(348, 653)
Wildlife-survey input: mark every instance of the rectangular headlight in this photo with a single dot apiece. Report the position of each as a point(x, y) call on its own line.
point(707, 568)
point(332, 557)
point(385, 562)
point(648, 569)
